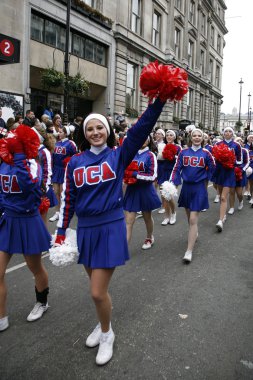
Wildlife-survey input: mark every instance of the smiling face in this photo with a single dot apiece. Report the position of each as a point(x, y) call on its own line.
point(62, 134)
point(170, 137)
point(196, 138)
point(159, 136)
point(228, 134)
point(96, 133)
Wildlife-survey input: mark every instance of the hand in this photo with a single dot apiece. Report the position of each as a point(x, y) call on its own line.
point(15, 145)
point(59, 239)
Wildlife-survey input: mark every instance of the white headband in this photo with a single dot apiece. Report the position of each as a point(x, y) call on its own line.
point(99, 117)
point(171, 131)
point(39, 135)
point(161, 131)
point(197, 130)
point(250, 135)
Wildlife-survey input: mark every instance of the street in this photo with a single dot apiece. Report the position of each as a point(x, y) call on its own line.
point(171, 320)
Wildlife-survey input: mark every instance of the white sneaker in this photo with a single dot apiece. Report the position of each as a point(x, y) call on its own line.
point(165, 221)
point(187, 257)
point(105, 350)
point(219, 226)
point(4, 323)
point(37, 311)
point(94, 338)
point(240, 206)
point(161, 211)
point(54, 217)
point(204, 210)
point(173, 218)
point(139, 215)
point(216, 199)
point(231, 211)
point(251, 201)
point(148, 243)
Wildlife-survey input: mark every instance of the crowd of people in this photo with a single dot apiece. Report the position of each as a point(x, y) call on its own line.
point(108, 176)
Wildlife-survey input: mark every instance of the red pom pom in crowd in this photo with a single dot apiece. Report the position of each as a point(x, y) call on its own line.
point(44, 205)
point(224, 155)
point(5, 154)
point(169, 152)
point(238, 174)
point(163, 81)
point(128, 174)
point(29, 139)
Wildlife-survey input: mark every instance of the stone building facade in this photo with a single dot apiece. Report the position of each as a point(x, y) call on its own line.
point(110, 43)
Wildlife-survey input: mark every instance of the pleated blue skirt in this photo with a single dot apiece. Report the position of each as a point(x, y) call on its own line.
point(52, 197)
point(243, 181)
point(194, 196)
point(103, 246)
point(23, 235)
point(141, 197)
point(58, 175)
point(224, 177)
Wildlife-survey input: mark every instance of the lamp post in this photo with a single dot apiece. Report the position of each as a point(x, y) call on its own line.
point(240, 83)
point(66, 64)
point(248, 104)
point(249, 117)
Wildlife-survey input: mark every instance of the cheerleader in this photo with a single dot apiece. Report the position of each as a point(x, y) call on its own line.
point(170, 153)
point(249, 171)
point(93, 189)
point(224, 177)
point(160, 144)
point(141, 194)
point(194, 165)
point(64, 148)
point(241, 179)
point(22, 230)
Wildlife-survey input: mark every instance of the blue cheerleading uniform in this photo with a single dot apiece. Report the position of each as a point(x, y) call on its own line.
point(63, 149)
point(45, 160)
point(209, 148)
point(142, 195)
point(165, 166)
point(243, 166)
point(250, 151)
point(226, 177)
point(93, 190)
point(195, 167)
point(22, 229)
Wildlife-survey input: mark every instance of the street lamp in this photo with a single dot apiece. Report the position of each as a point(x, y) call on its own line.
point(66, 63)
point(240, 83)
point(248, 104)
point(250, 117)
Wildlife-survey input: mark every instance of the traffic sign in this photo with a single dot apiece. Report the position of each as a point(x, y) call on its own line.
point(9, 49)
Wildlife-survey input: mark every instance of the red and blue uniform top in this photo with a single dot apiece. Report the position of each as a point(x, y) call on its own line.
point(63, 149)
point(93, 183)
point(193, 166)
point(45, 160)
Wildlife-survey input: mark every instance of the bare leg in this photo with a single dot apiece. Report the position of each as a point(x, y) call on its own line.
point(149, 222)
point(193, 230)
point(130, 220)
point(224, 191)
point(239, 193)
point(99, 283)
point(4, 260)
point(36, 266)
point(232, 197)
point(57, 191)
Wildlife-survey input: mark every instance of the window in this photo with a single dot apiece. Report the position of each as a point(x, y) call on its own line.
point(51, 33)
point(219, 44)
point(178, 4)
point(203, 24)
point(190, 54)
point(190, 115)
point(211, 70)
point(217, 76)
point(131, 86)
point(192, 12)
point(212, 35)
point(177, 43)
point(136, 16)
point(201, 108)
point(91, 3)
point(177, 109)
point(37, 28)
point(202, 62)
point(156, 28)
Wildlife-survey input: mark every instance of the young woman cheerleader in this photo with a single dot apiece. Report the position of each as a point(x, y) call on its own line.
point(228, 154)
point(140, 193)
point(194, 165)
point(241, 179)
point(249, 147)
point(160, 144)
point(169, 153)
point(22, 230)
point(64, 148)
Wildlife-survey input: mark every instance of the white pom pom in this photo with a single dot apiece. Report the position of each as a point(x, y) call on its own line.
point(190, 128)
point(249, 171)
point(168, 190)
point(65, 254)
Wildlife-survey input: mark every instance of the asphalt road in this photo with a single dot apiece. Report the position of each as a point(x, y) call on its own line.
point(172, 321)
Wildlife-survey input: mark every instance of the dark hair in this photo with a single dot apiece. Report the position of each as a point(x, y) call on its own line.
point(83, 144)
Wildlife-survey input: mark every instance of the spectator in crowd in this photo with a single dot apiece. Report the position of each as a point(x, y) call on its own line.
point(19, 119)
point(9, 124)
point(29, 117)
point(77, 124)
point(49, 112)
point(44, 119)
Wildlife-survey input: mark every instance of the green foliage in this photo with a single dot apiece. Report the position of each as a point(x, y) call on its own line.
point(93, 12)
point(51, 78)
point(77, 84)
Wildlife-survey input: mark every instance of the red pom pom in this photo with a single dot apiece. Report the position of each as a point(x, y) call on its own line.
point(44, 205)
point(66, 161)
point(163, 81)
point(29, 139)
point(5, 154)
point(128, 175)
point(169, 152)
point(238, 174)
point(223, 154)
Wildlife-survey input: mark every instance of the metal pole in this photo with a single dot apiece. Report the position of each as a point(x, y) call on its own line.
point(241, 83)
point(248, 104)
point(66, 63)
